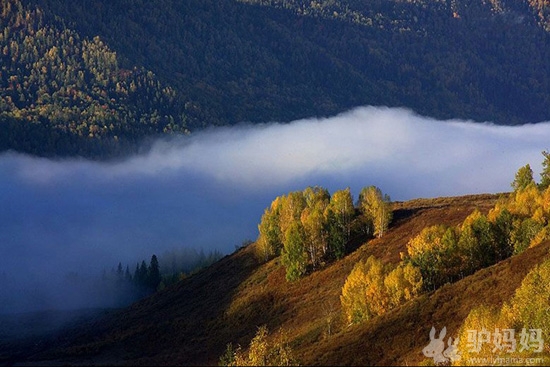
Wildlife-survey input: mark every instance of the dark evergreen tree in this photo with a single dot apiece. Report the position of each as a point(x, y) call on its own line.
point(119, 271)
point(153, 273)
point(127, 274)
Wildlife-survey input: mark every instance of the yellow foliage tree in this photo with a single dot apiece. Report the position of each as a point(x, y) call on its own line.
point(531, 302)
point(525, 201)
point(314, 223)
point(475, 337)
point(428, 239)
point(519, 329)
point(364, 295)
point(376, 207)
point(370, 290)
point(261, 351)
point(402, 284)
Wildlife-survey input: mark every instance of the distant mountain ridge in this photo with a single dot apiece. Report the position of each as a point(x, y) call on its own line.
point(157, 67)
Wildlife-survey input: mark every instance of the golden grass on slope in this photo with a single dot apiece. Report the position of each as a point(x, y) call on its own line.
point(191, 322)
point(397, 338)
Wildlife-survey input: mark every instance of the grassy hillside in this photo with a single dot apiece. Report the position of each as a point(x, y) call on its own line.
point(191, 322)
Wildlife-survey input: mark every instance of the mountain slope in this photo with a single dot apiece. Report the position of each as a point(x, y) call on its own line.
point(61, 93)
point(191, 322)
point(170, 66)
point(292, 59)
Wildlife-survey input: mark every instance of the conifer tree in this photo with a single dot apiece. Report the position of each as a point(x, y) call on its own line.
point(153, 273)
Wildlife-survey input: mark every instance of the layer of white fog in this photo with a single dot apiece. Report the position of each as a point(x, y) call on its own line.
point(209, 190)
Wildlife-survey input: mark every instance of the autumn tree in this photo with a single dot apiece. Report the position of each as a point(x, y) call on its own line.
point(529, 306)
point(482, 320)
point(376, 208)
point(523, 178)
point(426, 251)
point(363, 294)
point(371, 289)
point(269, 242)
point(339, 215)
point(258, 349)
point(261, 352)
point(315, 223)
point(316, 197)
point(526, 311)
point(291, 207)
point(525, 202)
point(309, 227)
point(316, 237)
point(403, 284)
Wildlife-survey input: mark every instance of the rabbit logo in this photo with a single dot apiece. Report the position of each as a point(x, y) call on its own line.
point(436, 348)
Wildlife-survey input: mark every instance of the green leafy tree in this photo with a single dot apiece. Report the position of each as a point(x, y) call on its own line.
point(269, 242)
point(545, 174)
point(426, 251)
point(294, 255)
point(336, 246)
point(502, 233)
point(314, 224)
point(523, 232)
point(523, 178)
point(476, 242)
point(339, 215)
point(228, 358)
point(291, 207)
point(316, 197)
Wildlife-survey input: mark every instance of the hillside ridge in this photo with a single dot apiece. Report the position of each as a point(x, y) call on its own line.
point(192, 321)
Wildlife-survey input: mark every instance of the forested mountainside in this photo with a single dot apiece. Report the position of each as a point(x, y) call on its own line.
point(95, 77)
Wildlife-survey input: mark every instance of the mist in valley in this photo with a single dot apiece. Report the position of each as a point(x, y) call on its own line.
point(63, 221)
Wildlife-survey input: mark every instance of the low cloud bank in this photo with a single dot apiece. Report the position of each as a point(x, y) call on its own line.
point(209, 190)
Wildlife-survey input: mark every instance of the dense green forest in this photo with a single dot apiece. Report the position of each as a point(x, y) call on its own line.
point(72, 83)
point(64, 94)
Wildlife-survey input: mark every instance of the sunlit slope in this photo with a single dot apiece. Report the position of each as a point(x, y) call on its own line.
point(191, 322)
point(398, 337)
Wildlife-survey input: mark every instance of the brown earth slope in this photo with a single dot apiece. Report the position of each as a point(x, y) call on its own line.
point(191, 322)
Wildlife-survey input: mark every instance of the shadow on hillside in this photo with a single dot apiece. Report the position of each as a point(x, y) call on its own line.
point(402, 214)
point(188, 317)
